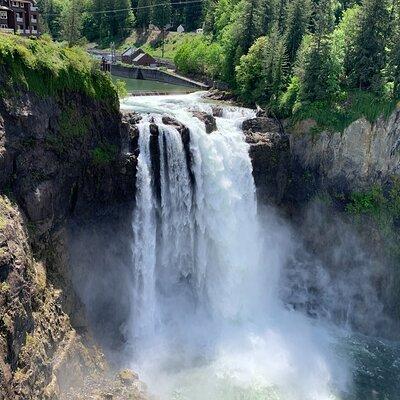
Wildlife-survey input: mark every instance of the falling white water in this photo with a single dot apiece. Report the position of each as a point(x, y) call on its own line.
point(144, 232)
point(208, 323)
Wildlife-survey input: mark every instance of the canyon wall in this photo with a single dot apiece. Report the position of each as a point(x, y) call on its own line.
point(63, 159)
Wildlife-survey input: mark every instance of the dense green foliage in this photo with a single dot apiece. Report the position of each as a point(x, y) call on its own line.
point(47, 68)
point(324, 59)
point(107, 21)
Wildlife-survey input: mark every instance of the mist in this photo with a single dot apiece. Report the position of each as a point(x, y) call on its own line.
point(209, 295)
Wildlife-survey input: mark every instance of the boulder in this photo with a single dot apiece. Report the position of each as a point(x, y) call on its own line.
point(261, 124)
point(209, 120)
point(217, 111)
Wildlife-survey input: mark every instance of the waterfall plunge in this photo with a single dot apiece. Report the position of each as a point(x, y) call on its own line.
point(207, 321)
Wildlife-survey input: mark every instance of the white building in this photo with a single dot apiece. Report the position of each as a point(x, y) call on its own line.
point(180, 29)
point(200, 31)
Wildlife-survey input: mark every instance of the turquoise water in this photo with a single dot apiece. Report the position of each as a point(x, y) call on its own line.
point(376, 368)
point(139, 85)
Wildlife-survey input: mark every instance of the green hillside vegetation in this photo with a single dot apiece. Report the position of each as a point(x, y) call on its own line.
point(48, 68)
point(333, 61)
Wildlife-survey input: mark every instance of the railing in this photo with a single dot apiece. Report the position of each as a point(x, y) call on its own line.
point(150, 93)
point(27, 31)
point(6, 30)
point(34, 20)
point(19, 19)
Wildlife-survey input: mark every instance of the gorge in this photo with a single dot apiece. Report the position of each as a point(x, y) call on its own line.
point(194, 243)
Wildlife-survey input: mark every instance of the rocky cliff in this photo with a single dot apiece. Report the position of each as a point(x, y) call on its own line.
point(363, 155)
point(341, 192)
point(64, 159)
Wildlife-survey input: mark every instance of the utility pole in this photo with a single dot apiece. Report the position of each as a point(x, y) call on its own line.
point(163, 42)
point(163, 32)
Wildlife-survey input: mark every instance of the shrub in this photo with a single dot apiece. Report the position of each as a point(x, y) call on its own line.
point(47, 68)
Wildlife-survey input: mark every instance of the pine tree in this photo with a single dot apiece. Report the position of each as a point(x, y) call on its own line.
point(366, 57)
point(275, 65)
point(267, 15)
point(248, 24)
point(261, 73)
point(394, 57)
point(320, 72)
point(72, 22)
point(161, 14)
point(281, 14)
point(193, 15)
point(51, 12)
point(143, 14)
point(297, 21)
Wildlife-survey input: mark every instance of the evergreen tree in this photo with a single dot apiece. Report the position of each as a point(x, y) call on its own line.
point(261, 73)
point(193, 16)
point(111, 20)
point(51, 11)
point(320, 73)
point(240, 34)
point(394, 57)
point(366, 56)
point(72, 22)
point(248, 24)
point(275, 65)
point(143, 14)
point(281, 14)
point(161, 14)
point(267, 15)
point(297, 21)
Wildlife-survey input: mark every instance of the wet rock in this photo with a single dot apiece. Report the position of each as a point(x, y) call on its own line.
point(261, 113)
point(219, 95)
point(168, 120)
point(132, 118)
point(217, 111)
point(261, 124)
point(270, 156)
point(209, 121)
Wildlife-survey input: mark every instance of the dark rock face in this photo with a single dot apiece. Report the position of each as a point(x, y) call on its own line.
point(270, 156)
point(209, 121)
point(261, 125)
point(61, 159)
point(49, 157)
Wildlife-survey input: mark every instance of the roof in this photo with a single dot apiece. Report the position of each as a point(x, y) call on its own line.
point(140, 56)
point(129, 51)
point(5, 8)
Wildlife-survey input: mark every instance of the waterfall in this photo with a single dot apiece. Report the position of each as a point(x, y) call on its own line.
point(144, 244)
point(207, 320)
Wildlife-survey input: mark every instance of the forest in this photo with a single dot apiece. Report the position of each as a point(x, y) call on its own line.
point(330, 60)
